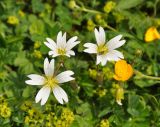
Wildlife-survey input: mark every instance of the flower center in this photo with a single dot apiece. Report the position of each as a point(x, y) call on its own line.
point(51, 82)
point(61, 51)
point(102, 49)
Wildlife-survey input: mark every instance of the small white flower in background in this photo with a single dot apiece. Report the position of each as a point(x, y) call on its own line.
point(61, 47)
point(50, 82)
point(105, 51)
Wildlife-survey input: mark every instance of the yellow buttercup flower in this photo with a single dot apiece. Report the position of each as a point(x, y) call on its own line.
point(123, 70)
point(151, 34)
point(13, 20)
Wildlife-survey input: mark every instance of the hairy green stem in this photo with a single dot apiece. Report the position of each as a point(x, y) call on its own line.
point(145, 76)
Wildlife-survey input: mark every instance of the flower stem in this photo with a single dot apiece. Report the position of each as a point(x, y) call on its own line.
point(145, 76)
point(110, 28)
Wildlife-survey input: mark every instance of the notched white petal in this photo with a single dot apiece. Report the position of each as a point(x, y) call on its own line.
point(65, 76)
point(35, 79)
point(48, 67)
point(60, 95)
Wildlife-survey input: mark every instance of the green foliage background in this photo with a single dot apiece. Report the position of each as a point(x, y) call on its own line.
point(22, 52)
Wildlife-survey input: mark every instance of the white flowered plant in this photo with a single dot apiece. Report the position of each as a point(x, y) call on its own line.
point(61, 47)
point(105, 51)
point(50, 82)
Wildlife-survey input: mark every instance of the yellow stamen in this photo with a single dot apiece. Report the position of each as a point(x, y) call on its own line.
point(51, 82)
point(102, 49)
point(62, 51)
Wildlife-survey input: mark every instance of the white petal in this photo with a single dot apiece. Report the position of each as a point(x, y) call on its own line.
point(53, 53)
point(59, 39)
point(91, 48)
point(46, 93)
point(63, 43)
point(70, 53)
point(71, 45)
point(65, 76)
point(112, 57)
point(48, 67)
point(99, 59)
point(99, 37)
point(118, 54)
point(103, 60)
point(115, 42)
point(51, 44)
point(35, 79)
point(102, 34)
point(71, 40)
point(43, 95)
point(119, 102)
point(60, 95)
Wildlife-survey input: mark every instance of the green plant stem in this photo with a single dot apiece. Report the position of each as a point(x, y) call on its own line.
point(87, 10)
point(110, 28)
point(95, 12)
point(146, 76)
point(90, 11)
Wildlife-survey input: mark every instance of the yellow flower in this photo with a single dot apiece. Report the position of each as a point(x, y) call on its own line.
point(109, 6)
point(123, 71)
point(151, 34)
point(13, 20)
point(104, 123)
point(66, 118)
point(5, 111)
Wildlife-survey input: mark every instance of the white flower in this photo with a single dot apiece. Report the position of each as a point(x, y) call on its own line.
point(62, 47)
point(50, 82)
point(105, 51)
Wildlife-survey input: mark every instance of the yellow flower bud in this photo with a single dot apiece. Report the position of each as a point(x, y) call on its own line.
point(119, 95)
point(37, 54)
point(101, 92)
point(37, 44)
point(21, 13)
point(13, 20)
point(151, 34)
point(93, 73)
point(90, 25)
point(109, 6)
point(123, 71)
point(72, 4)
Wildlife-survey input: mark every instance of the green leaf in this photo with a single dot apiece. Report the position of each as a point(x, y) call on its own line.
point(137, 106)
point(37, 6)
point(127, 4)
